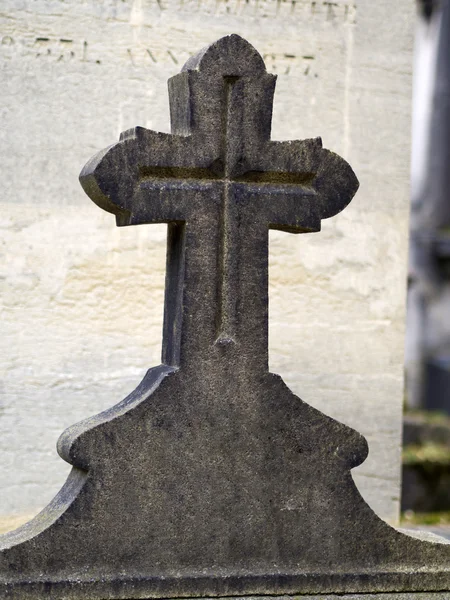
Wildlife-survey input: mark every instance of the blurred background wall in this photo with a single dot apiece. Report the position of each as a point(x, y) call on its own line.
point(428, 331)
point(426, 453)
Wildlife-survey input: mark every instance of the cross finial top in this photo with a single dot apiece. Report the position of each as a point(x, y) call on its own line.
point(221, 184)
point(230, 54)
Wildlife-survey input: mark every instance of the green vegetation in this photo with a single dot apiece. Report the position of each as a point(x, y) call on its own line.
point(409, 517)
point(429, 417)
point(430, 452)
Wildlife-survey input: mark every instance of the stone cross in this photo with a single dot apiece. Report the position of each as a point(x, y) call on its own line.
point(212, 478)
point(221, 184)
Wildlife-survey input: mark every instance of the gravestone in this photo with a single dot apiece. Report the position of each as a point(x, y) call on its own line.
point(75, 286)
point(212, 478)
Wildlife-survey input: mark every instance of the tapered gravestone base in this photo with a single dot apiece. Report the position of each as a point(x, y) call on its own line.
point(212, 478)
point(213, 495)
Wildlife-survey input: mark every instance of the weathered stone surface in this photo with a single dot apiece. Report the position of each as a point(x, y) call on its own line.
point(407, 596)
point(82, 300)
point(213, 477)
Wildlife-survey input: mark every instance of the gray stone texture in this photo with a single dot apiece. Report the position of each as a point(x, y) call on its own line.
point(82, 300)
point(212, 477)
point(401, 596)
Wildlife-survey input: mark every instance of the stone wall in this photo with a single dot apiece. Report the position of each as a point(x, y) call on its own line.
point(82, 300)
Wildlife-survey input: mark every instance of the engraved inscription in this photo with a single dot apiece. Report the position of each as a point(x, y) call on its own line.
point(286, 64)
point(140, 54)
point(64, 50)
point(342, 11)
point(55, 49)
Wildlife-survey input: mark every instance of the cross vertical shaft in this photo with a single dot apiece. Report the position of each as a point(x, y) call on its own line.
point(232, 121)
point(220, 183)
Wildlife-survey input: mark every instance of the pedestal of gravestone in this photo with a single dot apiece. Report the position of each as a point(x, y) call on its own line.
point(212, 478)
